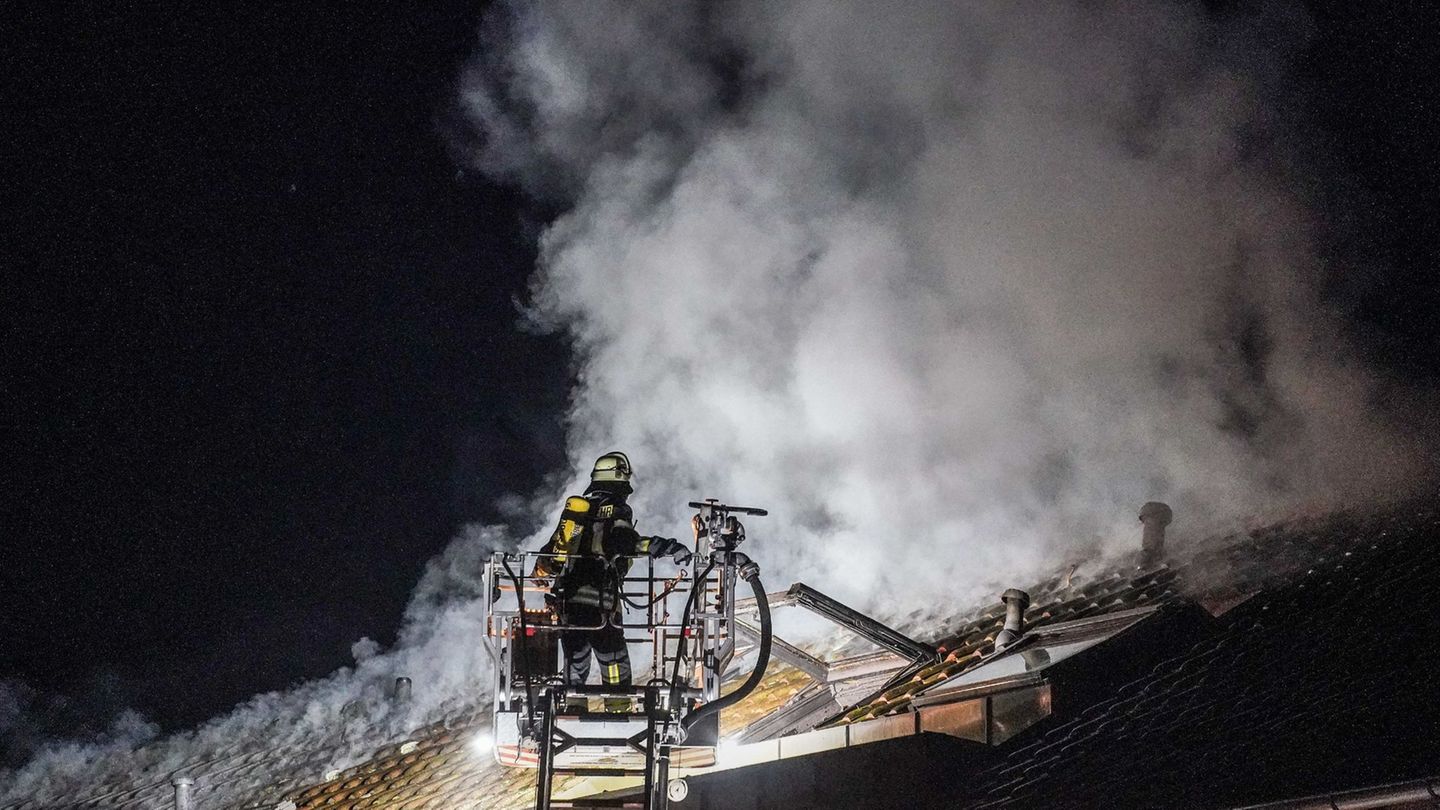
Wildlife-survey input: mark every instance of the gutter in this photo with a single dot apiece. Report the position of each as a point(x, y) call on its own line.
point(733, 756)
point(970, 720)
point(1394, 794)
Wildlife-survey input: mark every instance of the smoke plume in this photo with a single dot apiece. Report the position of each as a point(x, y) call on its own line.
point(950, 287)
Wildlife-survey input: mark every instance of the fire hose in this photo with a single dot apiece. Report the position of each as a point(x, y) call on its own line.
point(750, 572)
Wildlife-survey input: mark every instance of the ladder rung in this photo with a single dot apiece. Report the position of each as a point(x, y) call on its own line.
point(616, 741)
point(597, 771)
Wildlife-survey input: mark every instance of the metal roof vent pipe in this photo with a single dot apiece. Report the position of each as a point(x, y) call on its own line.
point(184, 798)
point(1156, 516)
point(402, 690)
point(1015, 601)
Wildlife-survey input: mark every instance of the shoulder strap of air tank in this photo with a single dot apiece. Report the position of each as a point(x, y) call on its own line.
point(602, 513)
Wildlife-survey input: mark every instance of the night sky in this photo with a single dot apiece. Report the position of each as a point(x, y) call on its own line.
point(263, 359)
point(262, 353)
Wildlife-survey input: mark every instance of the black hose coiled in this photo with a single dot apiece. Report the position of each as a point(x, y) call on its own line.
point(762, 605)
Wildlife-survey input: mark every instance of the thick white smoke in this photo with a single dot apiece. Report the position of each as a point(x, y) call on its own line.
point(951, 287)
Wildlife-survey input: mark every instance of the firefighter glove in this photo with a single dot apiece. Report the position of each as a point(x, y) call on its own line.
point(670, 547)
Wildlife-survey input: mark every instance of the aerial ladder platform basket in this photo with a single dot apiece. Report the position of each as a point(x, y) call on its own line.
point(686, 622)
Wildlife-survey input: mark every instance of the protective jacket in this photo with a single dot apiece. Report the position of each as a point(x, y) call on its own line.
point(594, 528)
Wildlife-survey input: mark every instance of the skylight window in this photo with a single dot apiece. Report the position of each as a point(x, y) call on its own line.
point(1033, 658)
point(1038, 650)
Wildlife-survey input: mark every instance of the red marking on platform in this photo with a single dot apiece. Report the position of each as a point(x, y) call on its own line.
point(518, 757)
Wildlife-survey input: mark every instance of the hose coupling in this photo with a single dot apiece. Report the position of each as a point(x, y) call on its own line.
point(749, 570)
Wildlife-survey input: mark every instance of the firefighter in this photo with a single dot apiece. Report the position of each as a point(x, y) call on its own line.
point(594, 528)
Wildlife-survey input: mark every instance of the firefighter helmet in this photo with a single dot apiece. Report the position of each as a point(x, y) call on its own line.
point(613, 466)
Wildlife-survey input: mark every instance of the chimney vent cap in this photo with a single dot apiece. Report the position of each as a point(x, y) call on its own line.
point(1157, 511)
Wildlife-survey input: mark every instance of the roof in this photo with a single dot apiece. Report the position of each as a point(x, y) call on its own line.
point(1219, 573)
point(1311, 678)
point(1056, 600)
point(1316, 684)
point(439, 770)
point(1320, 623)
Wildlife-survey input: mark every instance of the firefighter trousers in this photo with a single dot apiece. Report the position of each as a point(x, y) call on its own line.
point(608, 644)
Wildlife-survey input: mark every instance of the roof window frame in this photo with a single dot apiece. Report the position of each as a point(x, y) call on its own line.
point(1106, 626)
